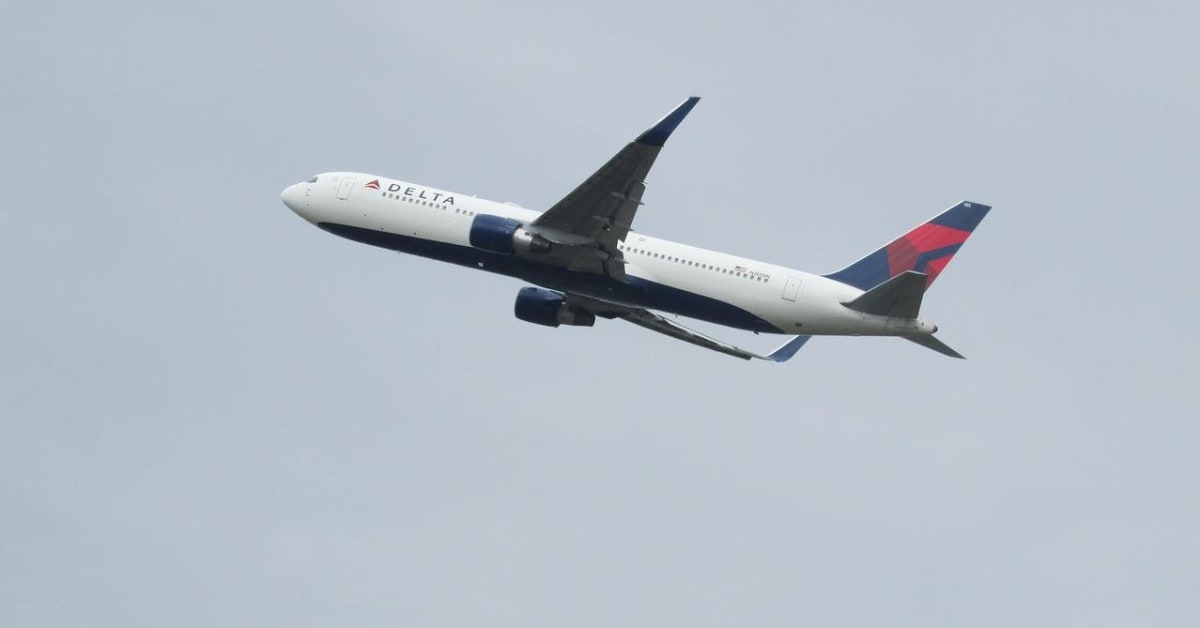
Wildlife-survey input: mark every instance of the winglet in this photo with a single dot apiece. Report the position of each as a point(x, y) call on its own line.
point(657, 135)
point(787, 350)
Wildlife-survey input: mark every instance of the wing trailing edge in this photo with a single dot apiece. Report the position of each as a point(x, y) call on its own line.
point(649, 320)
point(654, 322)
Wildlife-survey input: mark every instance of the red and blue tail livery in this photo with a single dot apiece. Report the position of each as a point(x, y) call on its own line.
point(926, 249)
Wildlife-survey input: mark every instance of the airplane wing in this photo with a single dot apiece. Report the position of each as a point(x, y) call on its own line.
point(652, 321)
point(599, 213)
point(649, 320)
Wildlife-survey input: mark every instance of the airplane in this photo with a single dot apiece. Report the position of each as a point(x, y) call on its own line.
point(587, 262)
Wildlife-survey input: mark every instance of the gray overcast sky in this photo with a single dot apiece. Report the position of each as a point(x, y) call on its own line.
point(212, 413)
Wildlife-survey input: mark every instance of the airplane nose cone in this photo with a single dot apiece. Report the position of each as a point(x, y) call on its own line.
point(291, 197)
point(296, 199)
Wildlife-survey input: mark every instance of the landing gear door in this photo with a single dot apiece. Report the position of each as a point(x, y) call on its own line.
point(344, 188)
point(791, 289)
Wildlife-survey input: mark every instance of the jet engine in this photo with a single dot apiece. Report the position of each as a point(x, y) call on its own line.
point(505, 236)
point(547, 307)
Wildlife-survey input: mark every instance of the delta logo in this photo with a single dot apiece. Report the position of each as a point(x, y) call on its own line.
point(373, 184)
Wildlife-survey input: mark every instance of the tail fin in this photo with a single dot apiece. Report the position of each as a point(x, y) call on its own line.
point(926, 249)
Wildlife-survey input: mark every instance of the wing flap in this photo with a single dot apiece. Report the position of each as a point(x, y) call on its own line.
point(654, 322)
point(649, 320)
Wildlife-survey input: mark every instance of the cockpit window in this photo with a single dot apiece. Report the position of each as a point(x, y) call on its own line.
point(312, 180)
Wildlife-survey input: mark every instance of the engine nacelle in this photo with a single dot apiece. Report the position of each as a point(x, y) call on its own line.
point(549, 308)
point(505, 236)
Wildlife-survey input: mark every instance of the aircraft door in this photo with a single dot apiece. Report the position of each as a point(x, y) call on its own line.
point(344, 188)
point(791, 289)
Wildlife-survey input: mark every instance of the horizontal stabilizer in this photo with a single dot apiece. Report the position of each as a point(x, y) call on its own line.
point(899, 296)
point(929, 342)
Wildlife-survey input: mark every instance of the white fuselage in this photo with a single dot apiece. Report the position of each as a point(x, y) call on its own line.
point(660, 274)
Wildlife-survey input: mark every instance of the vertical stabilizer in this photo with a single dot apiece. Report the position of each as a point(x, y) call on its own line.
point(925, 249)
